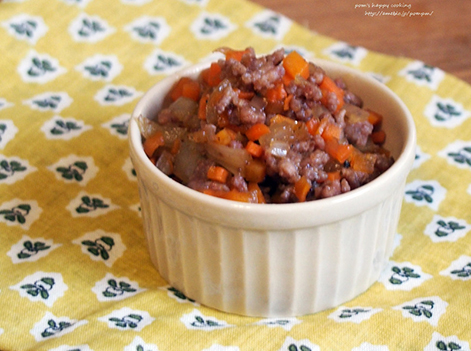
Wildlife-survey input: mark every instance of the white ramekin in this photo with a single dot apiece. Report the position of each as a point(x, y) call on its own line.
point(275, 260)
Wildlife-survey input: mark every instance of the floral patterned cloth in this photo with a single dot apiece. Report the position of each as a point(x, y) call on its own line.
point(74, 268)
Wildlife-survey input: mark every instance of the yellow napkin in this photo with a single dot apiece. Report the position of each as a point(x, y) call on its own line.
point(74, 268)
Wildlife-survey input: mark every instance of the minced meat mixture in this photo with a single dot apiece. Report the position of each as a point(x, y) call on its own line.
point(268, 129)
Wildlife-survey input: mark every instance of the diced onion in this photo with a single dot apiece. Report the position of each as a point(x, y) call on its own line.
point(233, 159)
point(279, 148)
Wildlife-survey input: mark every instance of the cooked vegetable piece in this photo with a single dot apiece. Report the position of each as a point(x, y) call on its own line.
point(233, 54)
point(225, 136)
point(312, 126)
point(340, 152)
point(362, 162)
point(254, 171)
point(378, 137)
point(202, 107)
point(153, 142)
point(233, 159)
point(374, 118)
point(277, 93)
point(331, 131)
point(186, 87)
point(254, 149)
point(295, 65)
point(256, 192)
point(328, 86)
point(212, 75)
point(233, 194)
point(301, 188)
point(256, 131)
point(219, 174)
point(332, 176)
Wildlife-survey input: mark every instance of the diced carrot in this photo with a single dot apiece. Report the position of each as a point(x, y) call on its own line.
point(301, 188)
point(362, 162)
point(212, 75)
point(218, 174)
point(374, 118)
point(287, 102)
point(328, 86)
point(176, 146)
point(312, 126)
point(256, 131)
point(225, 136)
point(241, 196)
point(246, 95)
point(340, 152)
point(294, 65)
point(378, 137)
point(333, 176)
point(257, 192)
point(331, 131)
point(321, 127)
point(202, 107)
point(234, 54)
point(186, 87)
point(153, 142)
point(254, 149)
point(255, 171)
point(282, 119)
point(277, 93)
point(232, 194)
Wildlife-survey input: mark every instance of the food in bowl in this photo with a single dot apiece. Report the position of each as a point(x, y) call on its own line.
point(268, 129)
point(278, 260)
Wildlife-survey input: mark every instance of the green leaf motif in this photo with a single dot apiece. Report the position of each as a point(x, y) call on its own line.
point(348, 52)
point(101, 69)
point(25, 28)
point(464, 272)
point(121, 128)
point(165, 62)
point(463, 156)
point(51, 102)
point(40, 67)
point(400, 276)
point(8, 169)
point(150, 30)
point(270, 25)
point(293, 347)
point(90, 28)
point(212, 25)
point(17, 213)
point(73, 171)
point(423, 73)
point(117, 94)
point(97, 249)
point(90, 204)
point(55, 328)
point(63, 127)
point(442, 346)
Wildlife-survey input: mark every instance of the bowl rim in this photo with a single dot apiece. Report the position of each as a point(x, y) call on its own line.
point(268, 215)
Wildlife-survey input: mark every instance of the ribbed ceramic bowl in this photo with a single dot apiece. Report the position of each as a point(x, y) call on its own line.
point(275, 260)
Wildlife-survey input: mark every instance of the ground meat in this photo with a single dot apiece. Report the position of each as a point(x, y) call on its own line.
point(250, 112)
point(352, 99)
point(354, 179)
point(238, 182)
point(358, 132)
point(287, 169)
point(302, 129)
point(262, 72)
point(316, 74)
point(329, 189)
